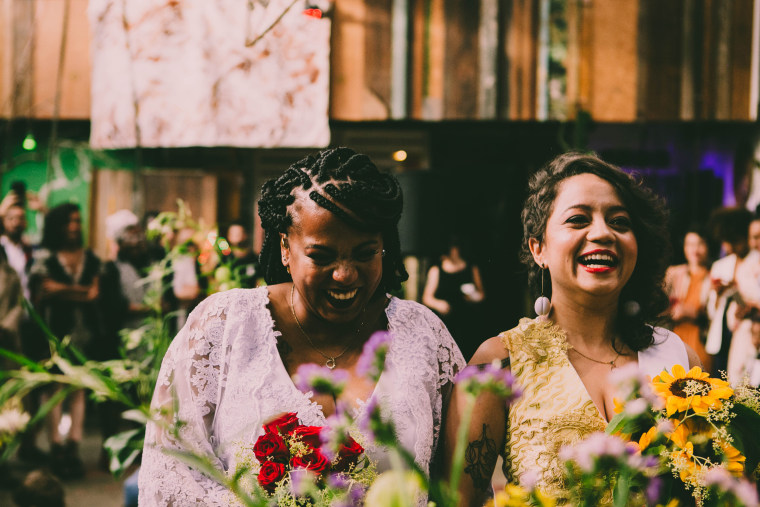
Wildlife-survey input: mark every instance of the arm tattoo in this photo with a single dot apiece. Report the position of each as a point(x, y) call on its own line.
point(480, 457)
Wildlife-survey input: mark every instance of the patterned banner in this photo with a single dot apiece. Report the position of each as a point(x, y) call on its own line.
point(172, 73)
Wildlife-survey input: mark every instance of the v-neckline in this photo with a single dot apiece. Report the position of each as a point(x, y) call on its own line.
point(577, 375)
point(274, 333)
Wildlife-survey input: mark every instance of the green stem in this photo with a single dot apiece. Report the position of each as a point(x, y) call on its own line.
point(464, 427)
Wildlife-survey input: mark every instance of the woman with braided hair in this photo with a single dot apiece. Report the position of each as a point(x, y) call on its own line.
point(330, 255)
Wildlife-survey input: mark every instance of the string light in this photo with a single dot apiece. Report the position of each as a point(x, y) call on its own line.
point(399, 155)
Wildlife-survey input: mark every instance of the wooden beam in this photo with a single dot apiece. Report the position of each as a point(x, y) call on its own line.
point(614, 60)
point(75, 85)
point(460, 73)
point(347, 60)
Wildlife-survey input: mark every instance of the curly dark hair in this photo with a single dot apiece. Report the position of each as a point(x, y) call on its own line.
point(644, 298)
point(350, 186)
point(56, 223)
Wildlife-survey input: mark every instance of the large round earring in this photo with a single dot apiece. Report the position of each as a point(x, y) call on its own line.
point(543, 304)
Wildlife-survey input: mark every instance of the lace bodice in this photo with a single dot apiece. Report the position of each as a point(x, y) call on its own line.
point(555, 408)
point(228, 379)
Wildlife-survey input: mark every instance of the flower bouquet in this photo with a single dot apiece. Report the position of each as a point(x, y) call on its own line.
point(703, 432)
point(294, 467)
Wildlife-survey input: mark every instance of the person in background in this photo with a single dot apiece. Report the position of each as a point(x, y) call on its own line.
point(19, 257)
point(40, 489)
point(244, 262)
point(730, 227)
point(64, 285)
point(453, 289)
point(688, 286)
point(744, 356)
point(122, 305)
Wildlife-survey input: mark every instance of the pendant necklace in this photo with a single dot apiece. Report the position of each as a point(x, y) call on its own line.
point(329, 360)
point(611, 364)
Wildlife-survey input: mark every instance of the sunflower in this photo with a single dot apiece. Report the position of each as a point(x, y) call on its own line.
point(694, 390)
point(647, 438)
point(733, 459)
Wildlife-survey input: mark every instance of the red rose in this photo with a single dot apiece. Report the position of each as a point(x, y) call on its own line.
point(348, 455)
point(271, 447)
point(269, 474)
point(284, 425)
point(309, 435)
point(316, 462)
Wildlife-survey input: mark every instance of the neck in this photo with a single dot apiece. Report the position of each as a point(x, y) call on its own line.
point(694, 266)
point(592, 323)
point(13, 238)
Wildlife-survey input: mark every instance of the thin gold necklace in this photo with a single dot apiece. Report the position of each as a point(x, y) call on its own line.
point(330, 360)
point(611, 364)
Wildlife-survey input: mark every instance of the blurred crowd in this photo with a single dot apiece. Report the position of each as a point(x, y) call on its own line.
point(715, 304)
point(93, 302)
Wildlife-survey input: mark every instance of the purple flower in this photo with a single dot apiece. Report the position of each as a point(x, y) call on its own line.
point(372, 361)
point(334, 433)
point(320, 379)
point(595, 446)
point(491, 377)
point(338, 481)
point(364, 421)
point(301, 481)
point(630, 381)
point(653, 490)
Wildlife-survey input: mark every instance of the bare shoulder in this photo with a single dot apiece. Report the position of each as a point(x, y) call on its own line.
point(693, 357)
point(491, 349)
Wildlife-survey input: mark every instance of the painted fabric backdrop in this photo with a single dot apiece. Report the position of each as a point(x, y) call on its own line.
point(174, 73)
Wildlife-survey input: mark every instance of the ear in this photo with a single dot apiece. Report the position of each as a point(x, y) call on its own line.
point(284, 249)
point(536, 249)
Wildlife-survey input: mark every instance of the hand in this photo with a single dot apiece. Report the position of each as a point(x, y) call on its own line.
point(92, 292)
point(10, 199)
point(720, 286)
point(443, 308)
point(34, 202)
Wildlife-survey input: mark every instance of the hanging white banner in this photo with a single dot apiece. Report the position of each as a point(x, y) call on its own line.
point(173, 73)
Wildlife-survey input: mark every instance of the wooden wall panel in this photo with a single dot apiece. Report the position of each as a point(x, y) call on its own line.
point(741, 58)
point(162, 188)
point(347, 60)
point(521, 48)
point(377, 70)
point(75, 89)
point(461, 74)
point(111, 192)
point(614, 60)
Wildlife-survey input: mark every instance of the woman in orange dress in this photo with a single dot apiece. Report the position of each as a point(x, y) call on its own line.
point(688, 286)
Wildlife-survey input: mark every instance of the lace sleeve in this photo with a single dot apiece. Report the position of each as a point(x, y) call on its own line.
point(190, 381)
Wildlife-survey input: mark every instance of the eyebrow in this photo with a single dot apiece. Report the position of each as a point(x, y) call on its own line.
point(586, 207)
point(371, 242)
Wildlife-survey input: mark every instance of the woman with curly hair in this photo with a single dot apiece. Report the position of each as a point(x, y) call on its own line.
point(595, 246)
point(330, 256)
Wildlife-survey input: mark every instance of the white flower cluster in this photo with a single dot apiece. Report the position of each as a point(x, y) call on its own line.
point(12, 421)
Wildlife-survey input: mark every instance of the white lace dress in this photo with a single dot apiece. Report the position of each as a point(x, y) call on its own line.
point(228, 379)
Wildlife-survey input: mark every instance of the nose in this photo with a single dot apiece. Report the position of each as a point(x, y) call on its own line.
point(600, 231)
point(345, 273)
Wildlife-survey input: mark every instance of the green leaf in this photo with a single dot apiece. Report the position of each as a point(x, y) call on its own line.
point(23, 361)
point(616, 424)
point(744, 428)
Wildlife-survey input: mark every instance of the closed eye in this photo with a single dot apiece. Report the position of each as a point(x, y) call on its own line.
point(366, 255)
point(621, 223)
point(577, 220)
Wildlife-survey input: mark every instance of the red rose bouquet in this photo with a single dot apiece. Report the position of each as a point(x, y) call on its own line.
point(295, 460)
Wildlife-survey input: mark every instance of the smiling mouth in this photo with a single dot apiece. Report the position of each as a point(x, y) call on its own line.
point(341, 298)
point(598, 262)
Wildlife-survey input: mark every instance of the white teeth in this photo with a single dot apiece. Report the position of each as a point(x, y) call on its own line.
point(342, 295)
point(598, 257)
